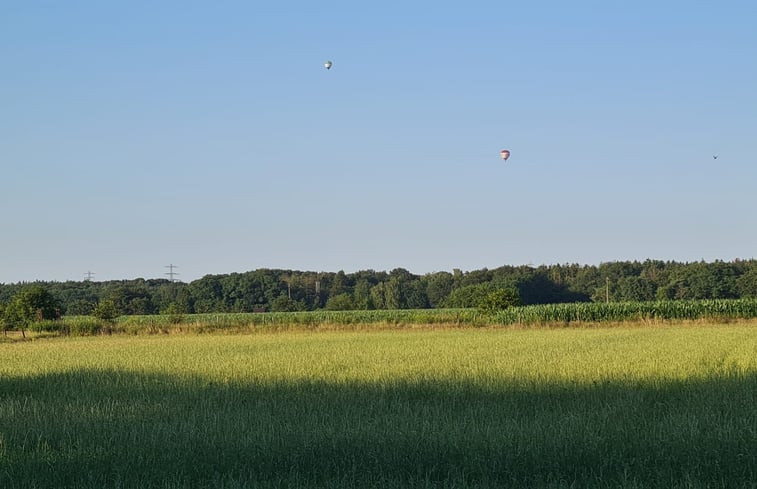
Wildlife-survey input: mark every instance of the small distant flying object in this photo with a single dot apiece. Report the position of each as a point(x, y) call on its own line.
point(714, 157)
point(505, 154)
point(328, 64)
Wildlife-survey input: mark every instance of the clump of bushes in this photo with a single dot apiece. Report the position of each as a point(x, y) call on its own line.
point(499, 300)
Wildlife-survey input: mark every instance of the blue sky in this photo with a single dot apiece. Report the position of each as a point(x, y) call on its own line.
point(134, 135)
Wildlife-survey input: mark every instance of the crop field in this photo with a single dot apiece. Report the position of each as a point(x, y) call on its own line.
point(620, 407)
point(718, 310)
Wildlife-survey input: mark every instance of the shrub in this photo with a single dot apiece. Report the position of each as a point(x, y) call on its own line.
point(105, 310)
point(499, 300)
point(175, 313)
point(341, 302)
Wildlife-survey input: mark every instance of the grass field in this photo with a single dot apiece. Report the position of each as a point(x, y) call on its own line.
point(667, 407)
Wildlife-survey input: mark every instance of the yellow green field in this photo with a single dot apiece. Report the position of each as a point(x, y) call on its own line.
point(633, 406)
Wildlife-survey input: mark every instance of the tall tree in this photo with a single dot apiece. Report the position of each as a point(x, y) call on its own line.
point(438, 287)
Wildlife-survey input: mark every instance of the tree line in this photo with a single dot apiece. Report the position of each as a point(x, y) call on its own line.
point(291, 290)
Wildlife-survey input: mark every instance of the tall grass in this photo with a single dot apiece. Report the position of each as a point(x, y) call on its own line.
point(620, 407)
point(716, 309)
point(316, 318)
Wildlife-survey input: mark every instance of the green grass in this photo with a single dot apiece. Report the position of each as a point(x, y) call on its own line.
point(535, 315)
point(602, 407)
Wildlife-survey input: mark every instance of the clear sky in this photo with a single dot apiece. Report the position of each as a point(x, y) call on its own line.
point(137, 134)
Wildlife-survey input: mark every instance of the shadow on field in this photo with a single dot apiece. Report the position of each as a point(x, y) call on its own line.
point(125, 429)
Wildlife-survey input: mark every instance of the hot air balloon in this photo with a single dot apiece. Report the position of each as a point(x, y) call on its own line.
point(328, 64)
point(505, 153)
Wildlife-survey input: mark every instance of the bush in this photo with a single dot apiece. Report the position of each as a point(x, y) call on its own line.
point(468, 296)
point(105, 310)
point(499, 300)
point(175, 313)
point(341, 302)
point(284, 304)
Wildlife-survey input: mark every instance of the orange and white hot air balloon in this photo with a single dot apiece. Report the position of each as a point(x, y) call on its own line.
point(505, 154)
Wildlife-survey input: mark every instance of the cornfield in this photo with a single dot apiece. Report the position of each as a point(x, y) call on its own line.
point(579, 312)
point(629, 311)
point(535, 314)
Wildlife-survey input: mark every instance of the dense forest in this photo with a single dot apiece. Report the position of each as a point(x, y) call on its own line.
point(289, 290)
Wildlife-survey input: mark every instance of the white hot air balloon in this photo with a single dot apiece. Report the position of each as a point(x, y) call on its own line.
point(328, 64)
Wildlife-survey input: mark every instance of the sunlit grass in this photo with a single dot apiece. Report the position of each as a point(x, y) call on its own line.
point(603, 407)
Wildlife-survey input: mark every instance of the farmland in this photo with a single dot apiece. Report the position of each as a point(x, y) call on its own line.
point(641, 406)
point(535, 315)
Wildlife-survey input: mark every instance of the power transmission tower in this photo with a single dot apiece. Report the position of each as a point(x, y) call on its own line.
point(170, 272)
point(88, 276)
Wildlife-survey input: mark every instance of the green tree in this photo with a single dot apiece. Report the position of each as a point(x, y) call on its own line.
point(498, 300)
point(414, 295)
point(3, 325)
point(363, 295)
point(284, 304)
point(633, 289)
point(32, 304)
point(747, 283)
point(468, 295)
point(341, 302)
point(105, 310)
point(701, 281)
point(168, 293)
point(378, 296)
point(339, 284)
point(438, 287)
point(175, 312)
point(132, 297)
point(80, 307)
point(393, 298)
point(207, 294)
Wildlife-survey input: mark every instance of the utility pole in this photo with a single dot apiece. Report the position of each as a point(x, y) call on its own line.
point(317, 298)
point(88, 276)
point(170, 272)
point(288, 279)
point(607, 290)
